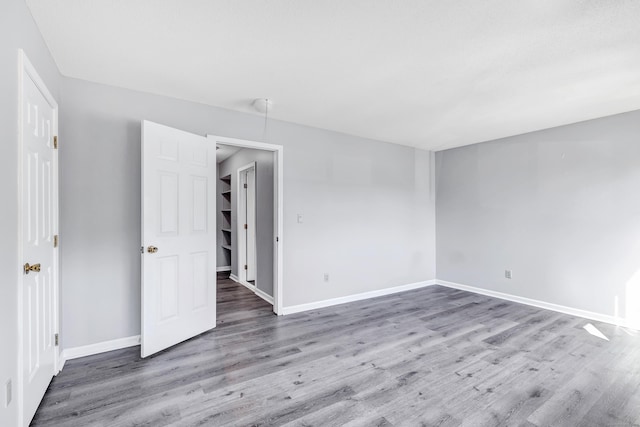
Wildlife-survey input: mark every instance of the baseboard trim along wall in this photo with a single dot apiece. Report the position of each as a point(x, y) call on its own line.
point(262, 294)
point(61, 361)
point(100, 347)
point(356, 297)
point(223, 268)
point(541, 304)
point(265, 296)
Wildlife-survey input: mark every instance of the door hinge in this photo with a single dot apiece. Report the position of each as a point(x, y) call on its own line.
point(245, 266)
point(246, 226)
point(56, 339)
point(245, 186)
point(141, 249)
point(277, 239)
point(55, 142)
point(55, 241)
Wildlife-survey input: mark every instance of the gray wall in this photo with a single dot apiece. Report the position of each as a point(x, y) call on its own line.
point(560, 207)
point(368, 206)
point(17, 30)
point(264, 212)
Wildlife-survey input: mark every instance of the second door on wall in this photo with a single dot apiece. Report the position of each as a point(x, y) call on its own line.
point(247, 223)
point(38, 189)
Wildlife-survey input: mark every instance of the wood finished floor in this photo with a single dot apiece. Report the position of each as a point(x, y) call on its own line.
point(432, 357)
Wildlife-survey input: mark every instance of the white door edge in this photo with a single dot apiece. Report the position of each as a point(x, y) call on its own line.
point(241, 209)
point(278, 210)
point(27, 70)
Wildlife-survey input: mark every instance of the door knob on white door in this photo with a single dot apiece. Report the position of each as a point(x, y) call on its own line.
point(34, 267)
point(152, 249)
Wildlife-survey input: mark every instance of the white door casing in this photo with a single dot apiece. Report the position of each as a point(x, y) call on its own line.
point(178, 218)
point(38, 224)
point(278, 209)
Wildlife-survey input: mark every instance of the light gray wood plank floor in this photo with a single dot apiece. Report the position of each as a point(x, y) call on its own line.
point(430, 357)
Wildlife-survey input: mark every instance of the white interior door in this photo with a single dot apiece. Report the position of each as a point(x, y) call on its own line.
point(39, 226)
point(246, 223)
point(250, 194)
point(178, 236)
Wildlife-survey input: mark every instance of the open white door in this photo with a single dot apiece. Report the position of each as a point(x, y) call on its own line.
point(39, 224)
point(178, 236)
point(251, 224)
point(246, 202)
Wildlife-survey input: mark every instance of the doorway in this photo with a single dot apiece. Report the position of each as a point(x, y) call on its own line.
point(242, 219)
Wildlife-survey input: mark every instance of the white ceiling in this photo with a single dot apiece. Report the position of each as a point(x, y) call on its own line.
point(426, 73)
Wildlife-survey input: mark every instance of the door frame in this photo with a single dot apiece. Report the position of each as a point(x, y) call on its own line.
point(278, 209)
point(27, 71)
point(241, 219)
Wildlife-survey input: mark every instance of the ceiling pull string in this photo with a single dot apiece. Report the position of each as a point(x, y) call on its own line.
point(266, 117)
point(262, 105)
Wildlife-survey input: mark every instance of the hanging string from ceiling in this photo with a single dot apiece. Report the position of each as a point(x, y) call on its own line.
point(266, 118)
point(264, 105)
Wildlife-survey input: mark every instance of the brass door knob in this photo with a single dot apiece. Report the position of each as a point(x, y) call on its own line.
point(34, 267)
point(152, 249)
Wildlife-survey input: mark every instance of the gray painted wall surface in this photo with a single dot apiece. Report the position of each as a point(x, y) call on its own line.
point(559, 207)
point(264, 212)
point(369, 212)
point(17, 30)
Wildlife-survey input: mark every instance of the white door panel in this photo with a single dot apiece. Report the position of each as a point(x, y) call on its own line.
point(251, 224)
point(39, 224)
point(179, 282)
point(246, 223)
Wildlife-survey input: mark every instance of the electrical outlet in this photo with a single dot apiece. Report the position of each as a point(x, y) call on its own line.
point(300, 219)
point(507, 274)
point(8, 394)
point(326, 277)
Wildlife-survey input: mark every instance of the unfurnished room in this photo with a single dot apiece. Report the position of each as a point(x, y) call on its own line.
point(319, 213)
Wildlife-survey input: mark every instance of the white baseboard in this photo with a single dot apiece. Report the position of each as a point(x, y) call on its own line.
point(223, 268)
point(117, 344)
point(356, 297)
point(234, 278)
point(265, 296)
point(101, 347)
point(246, 285)
point(61, 361)
point(541, 304)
